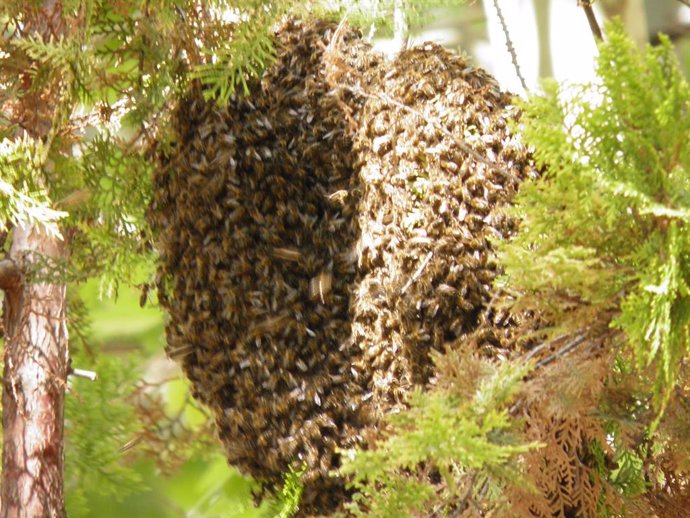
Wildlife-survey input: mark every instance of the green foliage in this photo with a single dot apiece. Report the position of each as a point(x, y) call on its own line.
point(243, 53)
point(116, 194)
point(54, 58)
point(99, 421)
point(109, 446)
point(604, 234)
point(629, 476)
point(21, 199)
point(604, 239)
point(110, 71)
point(460, 431)
point(286, 502)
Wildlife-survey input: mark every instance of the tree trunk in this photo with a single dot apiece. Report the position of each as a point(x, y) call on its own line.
point(542, 13)
point(36, 357)
point(401, 29)
point(34, 380)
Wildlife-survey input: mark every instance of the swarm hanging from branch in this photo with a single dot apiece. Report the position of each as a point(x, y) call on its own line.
point(322, 235)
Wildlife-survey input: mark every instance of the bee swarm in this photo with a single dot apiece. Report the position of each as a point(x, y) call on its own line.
point(320, 236)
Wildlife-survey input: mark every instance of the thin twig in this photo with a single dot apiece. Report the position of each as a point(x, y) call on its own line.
point(463, 503)
point(130, 444)
point(372, 28)
point(570, 346)
point(537, 349)
point(509, 44)
point(417, 273)
point(400, 27)
point(592, 19)
point(563, 351)
point(567, 348)
point(470, 487)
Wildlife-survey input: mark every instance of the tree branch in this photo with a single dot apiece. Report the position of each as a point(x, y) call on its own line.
point(592, 19)
point(674, 32)
point(400, 27)
point(563, 351)
point(509, 45)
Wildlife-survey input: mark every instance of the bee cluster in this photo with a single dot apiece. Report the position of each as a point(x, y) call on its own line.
point(321, 235)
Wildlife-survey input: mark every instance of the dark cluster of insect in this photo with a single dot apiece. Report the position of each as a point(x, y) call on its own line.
point(318, 239)
point(428, 212)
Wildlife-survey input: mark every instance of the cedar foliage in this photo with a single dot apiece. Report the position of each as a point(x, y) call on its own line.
point(604, 233)
point(603, 251)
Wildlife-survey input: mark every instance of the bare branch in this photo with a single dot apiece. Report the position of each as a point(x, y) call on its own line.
point(592, 19)
point(537, 349)
point(572, 344)
point(509, 44)
point(400, 27)
point(563, 351)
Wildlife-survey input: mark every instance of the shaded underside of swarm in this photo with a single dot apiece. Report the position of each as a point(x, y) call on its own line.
point(321, 235)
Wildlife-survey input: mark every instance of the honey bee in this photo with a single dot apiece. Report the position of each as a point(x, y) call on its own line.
point(339, 197)
point(320, 286)
point(178, 353)
point(143, 297)
point(286, 254)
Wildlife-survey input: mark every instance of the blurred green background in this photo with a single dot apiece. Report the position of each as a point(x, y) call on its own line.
point(112, 470)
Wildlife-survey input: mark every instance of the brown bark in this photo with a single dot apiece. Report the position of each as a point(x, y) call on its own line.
point(33, 386)
point(36, 356)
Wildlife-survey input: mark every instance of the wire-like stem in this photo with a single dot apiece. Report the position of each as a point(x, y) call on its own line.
point(509, 45)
